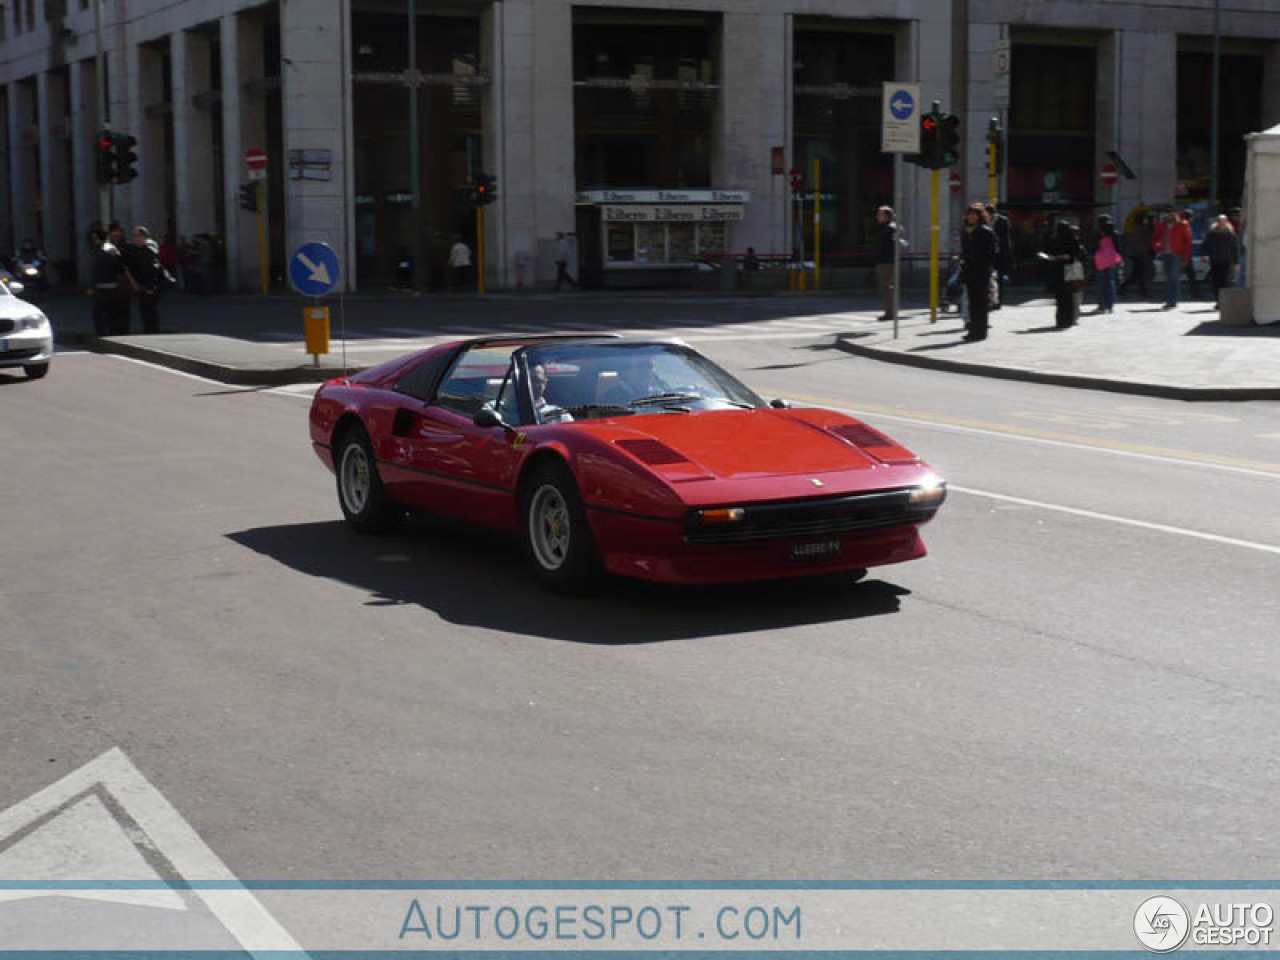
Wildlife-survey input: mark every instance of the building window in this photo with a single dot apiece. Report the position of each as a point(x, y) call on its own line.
point(1239, 113)
point(646, 88)
point(839, 68)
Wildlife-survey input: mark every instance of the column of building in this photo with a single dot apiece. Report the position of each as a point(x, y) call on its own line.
point(190, 66)
point(22, 160)
point(6, 197)
point(316, 79)
point(55, 205)
point(551, 176)
point(1148, 116)
point(752, 119)
point(84, 131)
point(149, 200)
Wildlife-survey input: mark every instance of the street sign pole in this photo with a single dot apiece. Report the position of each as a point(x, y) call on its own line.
point(897, 240)
point(899, 134)
point(992, 183)
point(479, 248)
point(817, 222)
point(934, 230)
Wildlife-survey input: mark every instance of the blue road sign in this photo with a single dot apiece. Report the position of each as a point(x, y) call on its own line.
point(313, 271)
point(902, 105)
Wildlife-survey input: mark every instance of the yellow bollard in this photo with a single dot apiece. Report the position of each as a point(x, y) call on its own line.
point(316, 327)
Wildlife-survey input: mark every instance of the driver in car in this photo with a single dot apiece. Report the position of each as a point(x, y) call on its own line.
point(544, 410)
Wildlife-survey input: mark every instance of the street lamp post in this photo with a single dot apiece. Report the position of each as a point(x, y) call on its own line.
point(1213, 111)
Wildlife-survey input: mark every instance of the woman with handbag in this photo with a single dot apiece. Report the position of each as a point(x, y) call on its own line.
point(1066, 276)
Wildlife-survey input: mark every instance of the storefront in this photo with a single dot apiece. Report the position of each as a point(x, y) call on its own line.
point(643, 237)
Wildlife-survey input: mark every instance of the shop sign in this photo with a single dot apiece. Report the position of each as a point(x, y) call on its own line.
point(674, 213)
point(663, 196)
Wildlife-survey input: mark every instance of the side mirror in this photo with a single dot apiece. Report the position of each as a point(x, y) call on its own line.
point(780, 404)
point(486, 416)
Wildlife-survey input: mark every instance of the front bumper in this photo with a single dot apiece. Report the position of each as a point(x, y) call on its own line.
point(660, 551)
point(26, 348)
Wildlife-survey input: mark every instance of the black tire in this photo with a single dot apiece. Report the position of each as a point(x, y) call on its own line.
point(364, 502)
point(557, 536)
point(35, 371)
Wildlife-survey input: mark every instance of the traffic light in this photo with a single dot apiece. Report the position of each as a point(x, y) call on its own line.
point(797, 181)
point(995, 141)
point(104, 155)
point(484, 189)
point(126, 158)
point(929, 156)
point(249, 197)
point(949, 141)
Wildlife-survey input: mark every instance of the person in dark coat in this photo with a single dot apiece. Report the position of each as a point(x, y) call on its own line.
point(107, 286)
point(1062, 248)
point(979, 250)
point(1004, 248)
point(884, 252)
point(142, 257)
point(1222, 247)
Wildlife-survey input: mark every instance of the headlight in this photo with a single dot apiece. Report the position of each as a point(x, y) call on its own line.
point(35, 321)
point(30, 271)
point(930, 493)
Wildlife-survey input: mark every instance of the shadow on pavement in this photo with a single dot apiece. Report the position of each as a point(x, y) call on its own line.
point(1214, 329)
point(478, 578)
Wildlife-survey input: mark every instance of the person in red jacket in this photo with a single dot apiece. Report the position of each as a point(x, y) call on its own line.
point(1174, 247)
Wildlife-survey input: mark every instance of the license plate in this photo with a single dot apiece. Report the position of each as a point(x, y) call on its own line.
point(814, 549)
point(4, 346)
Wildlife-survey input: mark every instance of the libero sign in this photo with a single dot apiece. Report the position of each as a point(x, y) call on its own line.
point(663, 196)
point(661, 213)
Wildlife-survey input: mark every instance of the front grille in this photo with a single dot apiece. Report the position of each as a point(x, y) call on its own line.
point(10, 355)
point(7, 325)
point(814, 518)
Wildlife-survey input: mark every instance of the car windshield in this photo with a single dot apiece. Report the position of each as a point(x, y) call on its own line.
point(592, 380)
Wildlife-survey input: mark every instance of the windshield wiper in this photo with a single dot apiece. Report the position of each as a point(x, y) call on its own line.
point(661, 398)
point(599, 408)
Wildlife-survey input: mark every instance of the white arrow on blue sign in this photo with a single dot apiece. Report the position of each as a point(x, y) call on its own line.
point(313, 271)
point(900, 119)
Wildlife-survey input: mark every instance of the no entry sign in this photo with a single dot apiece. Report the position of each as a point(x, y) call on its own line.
point(1108, 173)
point(954, 181)
point(255, 158)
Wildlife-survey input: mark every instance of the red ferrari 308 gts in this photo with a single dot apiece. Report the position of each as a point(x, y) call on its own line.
point(638, 458)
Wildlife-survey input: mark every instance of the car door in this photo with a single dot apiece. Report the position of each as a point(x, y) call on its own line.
point(463, 470)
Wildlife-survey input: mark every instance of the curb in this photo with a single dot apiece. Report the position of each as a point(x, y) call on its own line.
point(236, 376)
point(1075, 380)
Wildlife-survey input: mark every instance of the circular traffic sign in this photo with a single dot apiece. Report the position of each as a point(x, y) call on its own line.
point(902, 104)
point(313, 270)
point(1108, 173)
point(255, 158)
point(954, 181)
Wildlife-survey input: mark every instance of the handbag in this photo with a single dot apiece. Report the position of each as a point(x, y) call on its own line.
point(1073, 275)
point(993, 291)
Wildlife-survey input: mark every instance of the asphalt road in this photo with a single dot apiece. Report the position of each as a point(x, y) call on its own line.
point(1078, 682)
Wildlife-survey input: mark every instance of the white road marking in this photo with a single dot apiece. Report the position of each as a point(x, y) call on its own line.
point(1113, 518)
point(872, 415)
point(48, 847)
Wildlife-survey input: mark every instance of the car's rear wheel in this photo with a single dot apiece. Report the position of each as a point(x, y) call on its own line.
point(364, 502)
point(557, 536)
point(35, 371)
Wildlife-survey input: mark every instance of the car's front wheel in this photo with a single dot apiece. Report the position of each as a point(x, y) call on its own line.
point(364, 502)
point(35, 371)
point(557, 536)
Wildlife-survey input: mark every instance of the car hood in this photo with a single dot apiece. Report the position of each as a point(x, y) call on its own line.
point(745, 444)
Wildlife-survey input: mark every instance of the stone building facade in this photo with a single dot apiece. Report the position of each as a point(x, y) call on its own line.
point(658, 134)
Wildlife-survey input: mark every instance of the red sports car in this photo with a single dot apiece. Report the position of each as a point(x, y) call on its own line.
point(638, 458)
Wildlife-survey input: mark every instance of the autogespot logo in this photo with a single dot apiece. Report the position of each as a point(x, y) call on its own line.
point(1162, 924)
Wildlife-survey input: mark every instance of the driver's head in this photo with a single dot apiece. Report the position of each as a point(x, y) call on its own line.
point(538, 378)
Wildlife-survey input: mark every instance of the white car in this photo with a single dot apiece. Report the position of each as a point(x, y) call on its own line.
point(26, 337)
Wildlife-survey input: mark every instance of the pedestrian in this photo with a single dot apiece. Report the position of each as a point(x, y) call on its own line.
point(884, 250)
point(1189, 264)
point(1003, 230)
point(978, 246)
point(142, 259)
point(459, 262)
point(169, 258)
point(749, 260)
point(1174, 247)
point(1222, 247)
point(1236, 216)
point(107, 286)
point(1106, 260)
point(562, 262)
point(1136, 245)
point(1066, 256)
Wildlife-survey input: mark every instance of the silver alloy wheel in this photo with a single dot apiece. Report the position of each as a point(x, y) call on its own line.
point(355, 478)
point(550, 530)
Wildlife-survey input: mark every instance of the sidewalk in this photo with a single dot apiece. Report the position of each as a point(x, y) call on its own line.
point(1140, 349)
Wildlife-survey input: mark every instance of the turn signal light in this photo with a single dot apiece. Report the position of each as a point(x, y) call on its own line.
point(726, 515)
